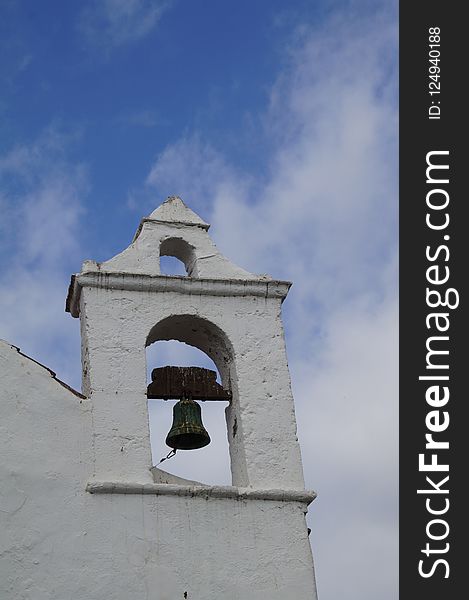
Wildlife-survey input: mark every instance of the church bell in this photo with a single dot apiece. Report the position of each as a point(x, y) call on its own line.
point(186, 383)
point(187, 431)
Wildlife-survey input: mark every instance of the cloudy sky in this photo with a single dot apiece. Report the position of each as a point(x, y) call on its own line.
point(276, 122)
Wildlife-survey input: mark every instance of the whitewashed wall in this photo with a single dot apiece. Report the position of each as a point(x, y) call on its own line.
point(81, 514)
point(59, 541)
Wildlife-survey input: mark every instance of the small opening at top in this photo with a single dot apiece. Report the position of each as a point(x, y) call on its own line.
point(177, 257)
point(170, 265)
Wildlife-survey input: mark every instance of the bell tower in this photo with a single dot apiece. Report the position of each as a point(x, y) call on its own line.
point(240, 542)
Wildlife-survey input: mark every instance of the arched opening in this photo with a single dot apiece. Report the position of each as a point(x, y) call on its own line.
point(177, 257)
point(202, 334)
point(186, 340)
point(170, 265)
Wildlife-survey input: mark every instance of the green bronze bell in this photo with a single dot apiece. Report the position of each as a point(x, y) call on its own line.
point(187, 431)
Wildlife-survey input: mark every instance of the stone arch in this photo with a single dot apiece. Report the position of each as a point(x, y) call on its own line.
point(204, 335)
point(212, 341)
point(180, 249)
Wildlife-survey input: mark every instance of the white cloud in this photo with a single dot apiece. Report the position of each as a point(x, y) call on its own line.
point(41, 209)
point(189, 168)
point(112, 23)
point(326, 217)
point(347, 424)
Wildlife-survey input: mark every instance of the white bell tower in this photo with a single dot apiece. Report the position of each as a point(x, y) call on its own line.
point(247, 541)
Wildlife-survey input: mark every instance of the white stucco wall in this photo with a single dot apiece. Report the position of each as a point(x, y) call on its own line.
point(59, 541)
point(184, 234)
point(265, 451)
point(82, 515)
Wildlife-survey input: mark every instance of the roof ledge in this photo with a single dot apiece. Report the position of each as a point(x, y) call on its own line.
point(201, 491)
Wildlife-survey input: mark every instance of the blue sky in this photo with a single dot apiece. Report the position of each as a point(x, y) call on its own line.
point(124, 92)
point(277, 123)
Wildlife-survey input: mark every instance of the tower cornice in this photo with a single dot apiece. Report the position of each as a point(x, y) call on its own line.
point(165, 283)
